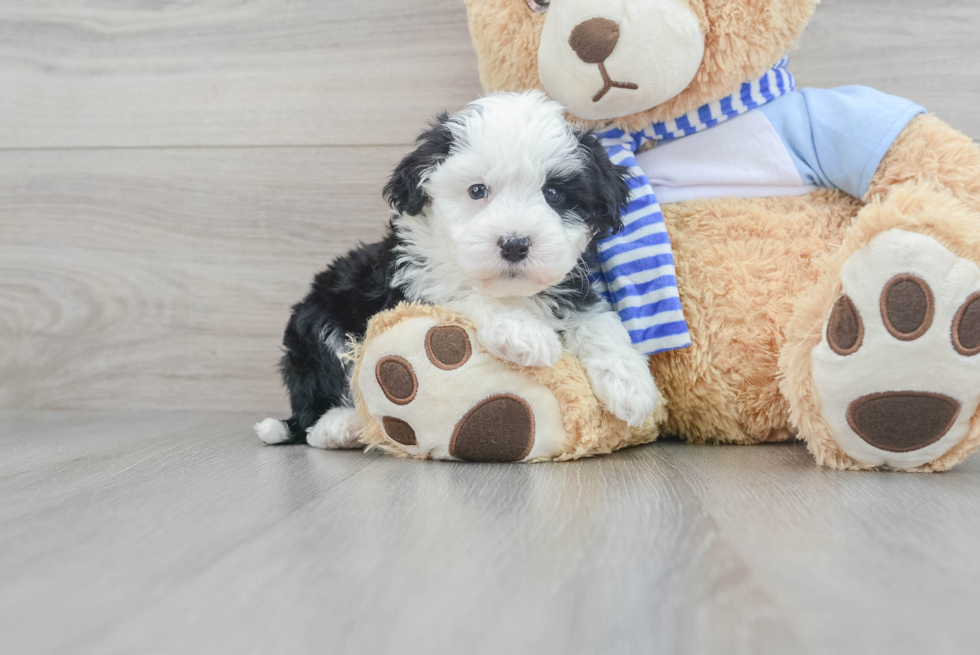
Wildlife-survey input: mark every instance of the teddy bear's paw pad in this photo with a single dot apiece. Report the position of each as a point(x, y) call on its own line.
point(897, 371)
point(397, 380)
point(902, 421)
point(499, 429)
point(437, 393)
point(448, 347)
point(399, 431)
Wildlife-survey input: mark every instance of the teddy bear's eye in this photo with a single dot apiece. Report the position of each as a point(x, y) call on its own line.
point(538, 6)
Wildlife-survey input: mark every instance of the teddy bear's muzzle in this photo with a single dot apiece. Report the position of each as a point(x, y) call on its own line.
point(594, 40)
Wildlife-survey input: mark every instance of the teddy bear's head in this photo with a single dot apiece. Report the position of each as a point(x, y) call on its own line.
point(631, 62)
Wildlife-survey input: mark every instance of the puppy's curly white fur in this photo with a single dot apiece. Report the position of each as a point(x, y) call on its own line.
point(496, 212)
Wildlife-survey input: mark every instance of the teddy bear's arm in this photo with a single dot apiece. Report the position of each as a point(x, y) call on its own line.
point(930, 151)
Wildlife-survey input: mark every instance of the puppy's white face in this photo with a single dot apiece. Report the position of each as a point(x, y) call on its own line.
point(514, 202)
point(496, 200)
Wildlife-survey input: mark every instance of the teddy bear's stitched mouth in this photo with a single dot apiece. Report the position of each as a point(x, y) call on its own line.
point(608, 83)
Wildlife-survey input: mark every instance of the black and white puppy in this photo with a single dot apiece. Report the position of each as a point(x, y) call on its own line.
point(494, 212)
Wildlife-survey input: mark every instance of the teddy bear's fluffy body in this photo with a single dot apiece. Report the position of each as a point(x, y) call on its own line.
point(758, 277)
point(761, 280)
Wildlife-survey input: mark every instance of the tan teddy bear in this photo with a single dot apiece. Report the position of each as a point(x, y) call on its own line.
point(799, 263)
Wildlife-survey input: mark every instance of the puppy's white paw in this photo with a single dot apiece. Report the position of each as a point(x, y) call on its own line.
point(272, 431)
point(521, 339)
point(626, 388)
point(337, 429)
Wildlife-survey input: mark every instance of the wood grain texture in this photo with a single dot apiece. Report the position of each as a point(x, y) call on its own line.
point(264, 72)
point(229, 72)
point(176, 533)
point(163, 278)
point(927, 52)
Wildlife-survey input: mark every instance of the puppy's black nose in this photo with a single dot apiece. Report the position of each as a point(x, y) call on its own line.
point(514, 249)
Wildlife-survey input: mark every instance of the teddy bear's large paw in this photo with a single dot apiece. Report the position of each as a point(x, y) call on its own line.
point(522, 339)
point(435, 392)
point(898, 371)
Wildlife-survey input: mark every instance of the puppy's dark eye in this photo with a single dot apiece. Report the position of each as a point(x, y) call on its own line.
point(538, 6)
point(553, 195)
point(478, 192)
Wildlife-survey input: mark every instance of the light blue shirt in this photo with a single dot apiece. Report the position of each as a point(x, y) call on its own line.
point(792, 145)
point(838, 137)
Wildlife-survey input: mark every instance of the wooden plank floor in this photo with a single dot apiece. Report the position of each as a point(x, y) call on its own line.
point(179, 533)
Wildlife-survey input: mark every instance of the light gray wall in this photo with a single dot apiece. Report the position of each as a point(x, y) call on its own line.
point(173, 174)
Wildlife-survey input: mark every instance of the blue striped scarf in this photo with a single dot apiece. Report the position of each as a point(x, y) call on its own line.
point(635, 271)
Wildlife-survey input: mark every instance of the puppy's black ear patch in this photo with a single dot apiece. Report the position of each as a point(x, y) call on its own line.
point(404, 190)
point(611, 192)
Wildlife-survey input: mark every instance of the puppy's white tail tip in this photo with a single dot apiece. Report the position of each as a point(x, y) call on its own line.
point(272, 431)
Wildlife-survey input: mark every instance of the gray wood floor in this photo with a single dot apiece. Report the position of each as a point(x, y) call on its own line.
point(176, 533)
point(173, 173)
point(171, 176)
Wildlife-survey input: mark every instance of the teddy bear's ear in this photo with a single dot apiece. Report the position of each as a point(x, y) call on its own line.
point(404, 191)
point(610, 193)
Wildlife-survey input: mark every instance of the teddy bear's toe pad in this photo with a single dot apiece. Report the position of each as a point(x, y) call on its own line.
point(399, 431)
point(397, 380)
point(897, 371)
point(436, 393)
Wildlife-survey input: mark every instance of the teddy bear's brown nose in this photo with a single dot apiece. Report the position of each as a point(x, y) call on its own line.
point(595, 39)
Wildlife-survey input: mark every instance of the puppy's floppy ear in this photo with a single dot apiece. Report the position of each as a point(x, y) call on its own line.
point(404, 190)
point(611, 192)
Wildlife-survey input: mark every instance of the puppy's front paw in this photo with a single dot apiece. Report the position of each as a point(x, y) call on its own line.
point(336, 430)
point(627, 389)
point(520, 339)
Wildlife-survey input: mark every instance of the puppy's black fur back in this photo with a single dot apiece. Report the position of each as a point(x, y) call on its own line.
point(342, 299)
